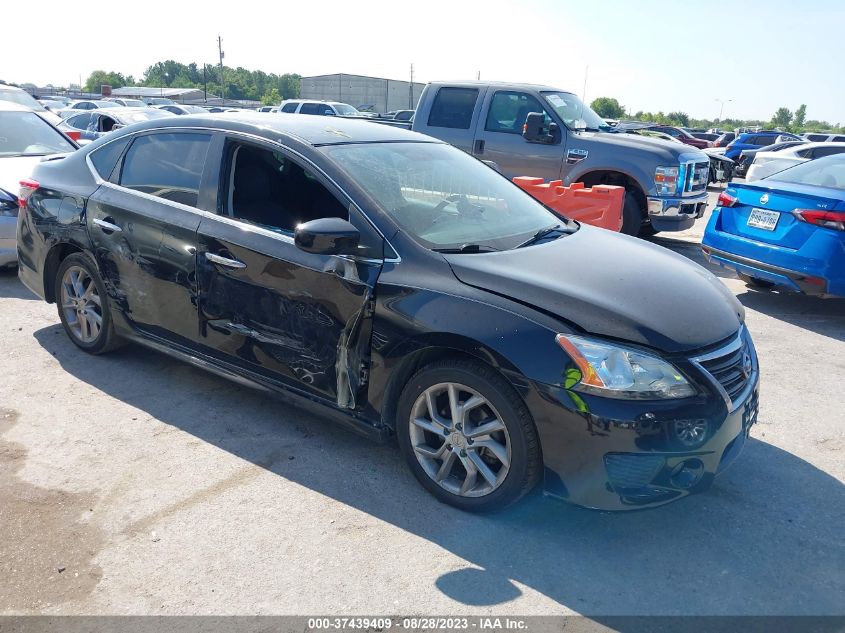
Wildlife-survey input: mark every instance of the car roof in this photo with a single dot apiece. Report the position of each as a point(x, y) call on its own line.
point(475, 83)
point(311, 130)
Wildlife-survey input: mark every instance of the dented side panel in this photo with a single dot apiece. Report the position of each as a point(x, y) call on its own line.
point(301, 319)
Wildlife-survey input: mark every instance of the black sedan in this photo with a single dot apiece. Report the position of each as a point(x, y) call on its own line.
point(407, 290)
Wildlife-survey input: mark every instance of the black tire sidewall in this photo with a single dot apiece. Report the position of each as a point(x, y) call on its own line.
point(512, 411)
point(103, 340)
point(632, 215)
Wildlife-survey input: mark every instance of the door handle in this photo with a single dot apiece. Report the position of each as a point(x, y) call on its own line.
point(224, 261)
point(479, 146)
point(107, 226)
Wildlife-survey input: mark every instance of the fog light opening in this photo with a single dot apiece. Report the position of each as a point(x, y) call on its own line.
point(687, 474)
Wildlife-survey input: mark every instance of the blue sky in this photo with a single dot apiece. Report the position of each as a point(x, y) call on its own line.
point(650, 55)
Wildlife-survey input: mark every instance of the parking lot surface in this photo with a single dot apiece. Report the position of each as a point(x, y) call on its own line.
point(135, 484)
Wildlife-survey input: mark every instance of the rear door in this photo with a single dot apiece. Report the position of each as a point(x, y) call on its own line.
point(453, 115)
point(143, 222)
point(300, 319)
point(499, 138)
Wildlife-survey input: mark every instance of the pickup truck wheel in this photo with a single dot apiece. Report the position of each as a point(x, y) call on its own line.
point(467, 436)
point(632, 216)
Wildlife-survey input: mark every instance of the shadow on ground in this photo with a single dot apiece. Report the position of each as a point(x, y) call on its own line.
point(767, 539)
point(11, 287)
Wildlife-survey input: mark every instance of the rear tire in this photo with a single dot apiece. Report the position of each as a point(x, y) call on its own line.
point(503, 462)
point(83, 305)
point(632, 215)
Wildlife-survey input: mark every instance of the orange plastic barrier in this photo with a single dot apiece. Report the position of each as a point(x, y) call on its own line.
point(600, 205)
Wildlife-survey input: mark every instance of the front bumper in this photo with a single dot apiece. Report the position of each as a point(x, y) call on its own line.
point(623, 455)
point(676, 213)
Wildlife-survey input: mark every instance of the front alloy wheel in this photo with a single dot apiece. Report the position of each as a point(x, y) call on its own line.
point(467, 435)
point(460, 440)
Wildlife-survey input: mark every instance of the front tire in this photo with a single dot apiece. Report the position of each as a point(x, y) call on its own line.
point(467, 436)
point(632, 215)
point(84, 306)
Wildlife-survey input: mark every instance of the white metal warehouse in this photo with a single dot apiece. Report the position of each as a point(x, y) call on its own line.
point(365, 93)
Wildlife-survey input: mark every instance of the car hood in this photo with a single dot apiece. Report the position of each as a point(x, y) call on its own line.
point(611, 285)
point(13, 169)
point(659, 151)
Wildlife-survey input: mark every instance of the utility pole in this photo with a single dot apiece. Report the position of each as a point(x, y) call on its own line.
point(204, 82)
point(411, 89)
point(478, 76)
point(222, 81)
point(722, 106)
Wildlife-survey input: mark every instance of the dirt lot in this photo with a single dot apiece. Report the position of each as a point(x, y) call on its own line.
point(132, 483)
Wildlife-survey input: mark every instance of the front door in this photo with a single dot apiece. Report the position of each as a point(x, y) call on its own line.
point(499, 137)
point(143, 228)
point(297, 318)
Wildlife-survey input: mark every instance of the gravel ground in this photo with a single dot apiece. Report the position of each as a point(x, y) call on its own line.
point(134, 484)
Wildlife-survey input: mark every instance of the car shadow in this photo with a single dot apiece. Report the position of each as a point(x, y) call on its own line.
point(766, 539)
point(11, 287)
point(692, 251)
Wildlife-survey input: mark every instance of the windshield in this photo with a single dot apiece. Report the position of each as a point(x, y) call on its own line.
point(23, 98)
point(575, 114)
point(822, 172)
point(442, 197)
point(27, 134)
point(108, 104)
point(134, 103)
point(345, 110)
point(195, 109)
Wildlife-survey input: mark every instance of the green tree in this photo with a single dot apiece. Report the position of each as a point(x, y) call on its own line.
point(782, 118)
point(679, 118)
point(800, 116)
point(99, 78)
point(608, 108)
point(271, 98)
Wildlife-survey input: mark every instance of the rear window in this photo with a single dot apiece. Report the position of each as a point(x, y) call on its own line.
point(21, 97)
point(453, 108)
point(105, 157)
point(166, 165)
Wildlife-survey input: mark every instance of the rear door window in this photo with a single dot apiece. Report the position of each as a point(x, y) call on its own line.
point(826, 151)
point(289, 107)
point(167, 165)
point(316, 108)
point(453, 108)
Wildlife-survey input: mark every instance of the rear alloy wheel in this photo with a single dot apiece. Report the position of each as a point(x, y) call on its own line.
point(467, 436)
point(83, 305)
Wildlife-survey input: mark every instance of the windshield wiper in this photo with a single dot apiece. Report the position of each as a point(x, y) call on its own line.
point(468, 248)
point(539, 235)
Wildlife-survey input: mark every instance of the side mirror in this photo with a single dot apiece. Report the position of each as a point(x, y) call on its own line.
point(535, 131)
point(327, 236)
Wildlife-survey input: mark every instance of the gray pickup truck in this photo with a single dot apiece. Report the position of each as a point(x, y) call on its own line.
point(665, 183)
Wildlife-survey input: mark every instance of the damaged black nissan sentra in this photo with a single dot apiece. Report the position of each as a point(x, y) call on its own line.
point(405, 289)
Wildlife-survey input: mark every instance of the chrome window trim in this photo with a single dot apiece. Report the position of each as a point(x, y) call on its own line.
point(243, 225)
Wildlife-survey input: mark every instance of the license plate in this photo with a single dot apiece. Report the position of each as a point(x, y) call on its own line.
point(763, 219)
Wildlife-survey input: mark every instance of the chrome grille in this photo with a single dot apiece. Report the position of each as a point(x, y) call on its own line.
point(732, 366)
point(696, 176)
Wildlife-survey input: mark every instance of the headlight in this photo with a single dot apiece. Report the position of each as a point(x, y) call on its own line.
point(614, 371)
point(666, 180)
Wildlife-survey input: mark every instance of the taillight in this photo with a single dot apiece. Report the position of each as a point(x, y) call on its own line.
point(726, 200)
point(828, 219)
point(74, 134)
point(28, 187)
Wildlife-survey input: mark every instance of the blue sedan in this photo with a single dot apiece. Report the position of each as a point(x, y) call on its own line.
point(785, 231)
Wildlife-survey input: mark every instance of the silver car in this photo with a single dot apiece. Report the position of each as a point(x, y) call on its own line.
point(25, 140)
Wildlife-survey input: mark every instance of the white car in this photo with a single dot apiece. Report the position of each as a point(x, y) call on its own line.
point(25, 140)
point(17, 95)
point(768, 163)
point(88, 104)
point(322, 108)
